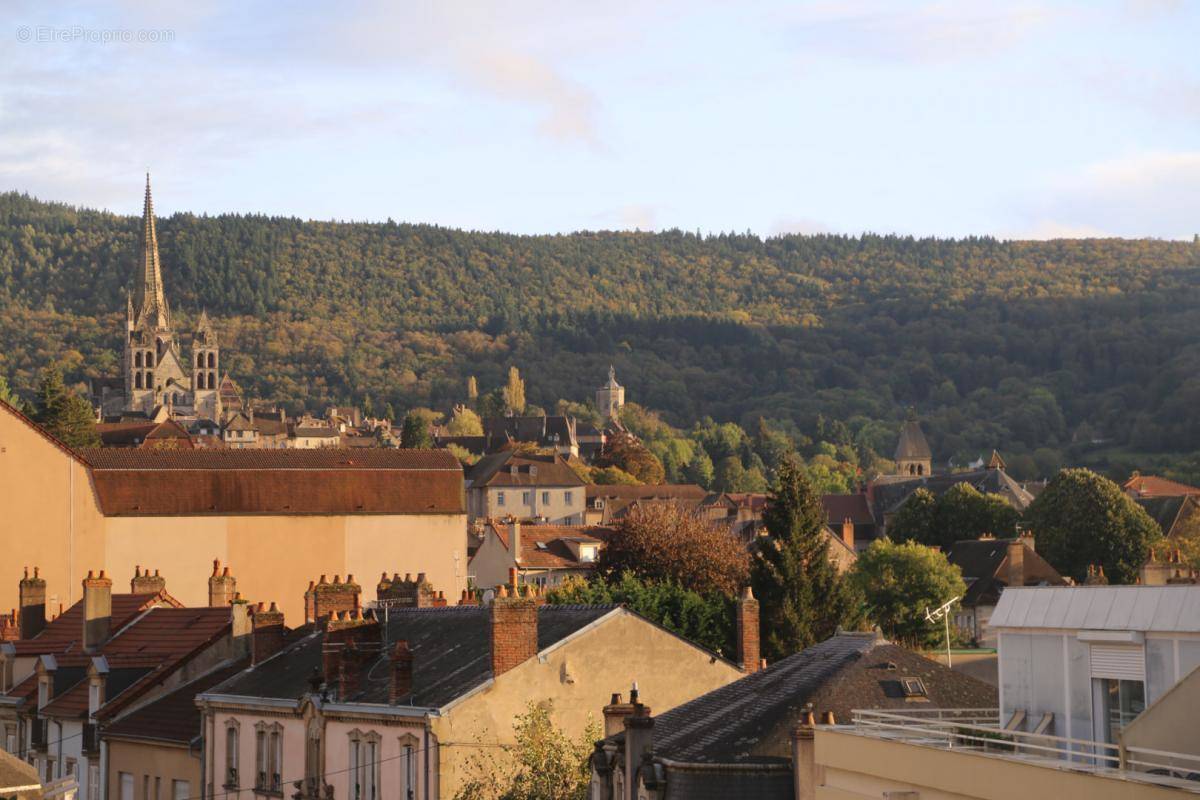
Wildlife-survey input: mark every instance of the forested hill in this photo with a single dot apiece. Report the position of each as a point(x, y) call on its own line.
point(1018, 345)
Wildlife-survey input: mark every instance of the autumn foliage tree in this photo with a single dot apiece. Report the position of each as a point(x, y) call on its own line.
point(667, 542)
point(625, 452)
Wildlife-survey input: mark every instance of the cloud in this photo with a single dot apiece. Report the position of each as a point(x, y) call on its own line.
point(1143, 194)
point(930, 32)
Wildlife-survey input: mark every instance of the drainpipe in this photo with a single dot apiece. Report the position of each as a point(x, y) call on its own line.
point(203, 754)
point(425, 747)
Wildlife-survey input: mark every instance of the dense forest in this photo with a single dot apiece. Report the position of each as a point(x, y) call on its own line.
point(1069, 351)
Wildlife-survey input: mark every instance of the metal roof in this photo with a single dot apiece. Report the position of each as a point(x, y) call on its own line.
point(1165, 609)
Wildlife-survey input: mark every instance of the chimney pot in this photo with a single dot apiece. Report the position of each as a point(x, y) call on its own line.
point(748, 631)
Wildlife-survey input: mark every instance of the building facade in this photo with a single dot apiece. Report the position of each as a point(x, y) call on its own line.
point(526, 486)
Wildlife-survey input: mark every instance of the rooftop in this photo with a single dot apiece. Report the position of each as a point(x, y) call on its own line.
point(1170, 609)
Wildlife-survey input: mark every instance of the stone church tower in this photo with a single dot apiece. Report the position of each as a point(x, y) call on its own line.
point(611, 396)
point(913, 456)
point(156, 374)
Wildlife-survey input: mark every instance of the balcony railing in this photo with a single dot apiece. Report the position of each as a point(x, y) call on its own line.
point(978, 731)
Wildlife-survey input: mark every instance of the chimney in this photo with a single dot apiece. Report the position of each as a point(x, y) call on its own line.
point(324, 599)
point(514, 629)
point(351, 640)
point(747, 631)
point(848, 532)
point(1027, 538)
point(267, 633)
point(240, 625)
point(221, 586)
point(804, 768)
point(639, 743)
point(1016, 563)
point(97, 610)
point(145, 583)
point(400, 661)
point(32, 593)
point(514, 538)
point(614, 715)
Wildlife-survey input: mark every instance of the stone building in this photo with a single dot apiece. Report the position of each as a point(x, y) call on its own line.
point(610, 397)
point(157, 371)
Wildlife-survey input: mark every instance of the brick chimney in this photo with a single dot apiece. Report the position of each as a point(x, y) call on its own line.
point(1015, 574)
point(32, 591)
point(145, 583)
point(97, 610)
point(267, 633)
point(848, 532)
point(323, 599)
point(400, 670)
point(351, 640)
point(406, 592)
point(513, 631)
point(747, 631)
point(221, 586)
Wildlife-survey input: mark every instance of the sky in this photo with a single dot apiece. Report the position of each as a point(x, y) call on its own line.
point(1017, 120)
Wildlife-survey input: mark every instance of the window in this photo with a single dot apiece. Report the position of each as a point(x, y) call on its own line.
point(408, 768)
point(212, 362)
point(10, 738)
point(181, 790)
point(913, 687)
point(568, 497)
point(526, 498)
point(268, 748)
point(49, 769)
point(125, 780)
point(93, 781)
point(499, 498)
point(70, 768)
point(157, 788)
point(364, 765)
point(545, 498)
point(231, 754)
point(145, 787)
point(1123, 701)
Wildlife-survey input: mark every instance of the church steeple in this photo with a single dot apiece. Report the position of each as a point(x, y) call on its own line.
point(149, 300)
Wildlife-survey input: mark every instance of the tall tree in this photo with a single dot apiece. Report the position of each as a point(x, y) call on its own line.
point(8, 395)
point(415, 432)
point(472, 389)
point(51, 393)
point(1082, 518)
point(464, 422)
point(65, 415)
point(514, 392)
point(803, 598)
point(961, 512)
point(899, 582)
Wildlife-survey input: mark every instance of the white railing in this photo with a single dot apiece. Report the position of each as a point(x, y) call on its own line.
point(978, 731)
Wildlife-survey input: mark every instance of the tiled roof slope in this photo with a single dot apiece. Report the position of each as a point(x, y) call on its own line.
point(324, 481)
point(554, 552)
point(175, 717)
point(73, 703)
point(983, 563)
point(62, 634)
point(888, 495)
point(661, 491)
point(845, 672)
point(450, 655)
point(1155, 486)
point(839, 507)
point(509, 468)
point(912, 445)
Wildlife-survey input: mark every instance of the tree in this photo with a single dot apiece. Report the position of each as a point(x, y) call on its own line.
point(415, 432)
point(1081, 519)
point(700, 469)
point(706, 619)
point(64, 414)
point(611, 475)
point(961, 512)
point(803, 598)
point(624, 451)
point(464, 422)
point(389, 413)
point(472, 389)
point(667, 542)
point(514, 392)
point(544, 764)
point(899, 582)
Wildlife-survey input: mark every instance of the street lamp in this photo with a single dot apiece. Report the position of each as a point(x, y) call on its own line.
point(942, 612)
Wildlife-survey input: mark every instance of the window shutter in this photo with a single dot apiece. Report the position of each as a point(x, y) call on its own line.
point(1122, 662)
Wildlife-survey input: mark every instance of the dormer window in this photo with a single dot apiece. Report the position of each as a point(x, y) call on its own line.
point(913, 687)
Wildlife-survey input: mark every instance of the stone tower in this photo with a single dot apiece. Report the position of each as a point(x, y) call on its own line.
point(611, 396)
point(913, 457)
point(149, 343)
point(206, 366)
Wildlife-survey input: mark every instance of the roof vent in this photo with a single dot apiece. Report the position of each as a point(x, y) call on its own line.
point(540, 545)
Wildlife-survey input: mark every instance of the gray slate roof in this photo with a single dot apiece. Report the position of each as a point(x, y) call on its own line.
point(888, 495)
point(450, 655)
point(912, 445)
point(738, 723)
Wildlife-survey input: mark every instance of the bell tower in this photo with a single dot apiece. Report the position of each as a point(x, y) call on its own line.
point(611, 396)
point(206, 366)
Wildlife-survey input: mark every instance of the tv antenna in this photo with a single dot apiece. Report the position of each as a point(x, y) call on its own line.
point(942, 612)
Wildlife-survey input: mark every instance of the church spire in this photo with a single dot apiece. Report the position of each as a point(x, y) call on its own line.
point(150, 302)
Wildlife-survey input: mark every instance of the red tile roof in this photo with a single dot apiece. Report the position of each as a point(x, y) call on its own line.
point(175, 717)
point(129, 482)
point(1155, 486)
point(840, 506)
point(510, 468)
point(554, 552)
point(62, 634)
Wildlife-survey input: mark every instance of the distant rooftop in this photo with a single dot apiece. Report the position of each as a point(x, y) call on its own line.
point(1168, 609)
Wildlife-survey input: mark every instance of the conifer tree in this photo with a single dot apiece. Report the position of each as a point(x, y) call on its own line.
point(50, 395)
point(8, 395)
point(415, 432)
point(804, 599)
point(472, 389)
point(514, 392)
point(65, 415)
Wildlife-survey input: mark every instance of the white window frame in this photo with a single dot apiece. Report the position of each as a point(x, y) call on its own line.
point(268, 758)
point(233, 743)
point(409, 776)
point(545, 499)
point(364, 752)
point(499, 498)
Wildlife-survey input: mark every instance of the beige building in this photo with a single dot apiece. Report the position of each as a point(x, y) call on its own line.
point(410, 705)
point(541, 555)
point(278, 517)
point(526, 486)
